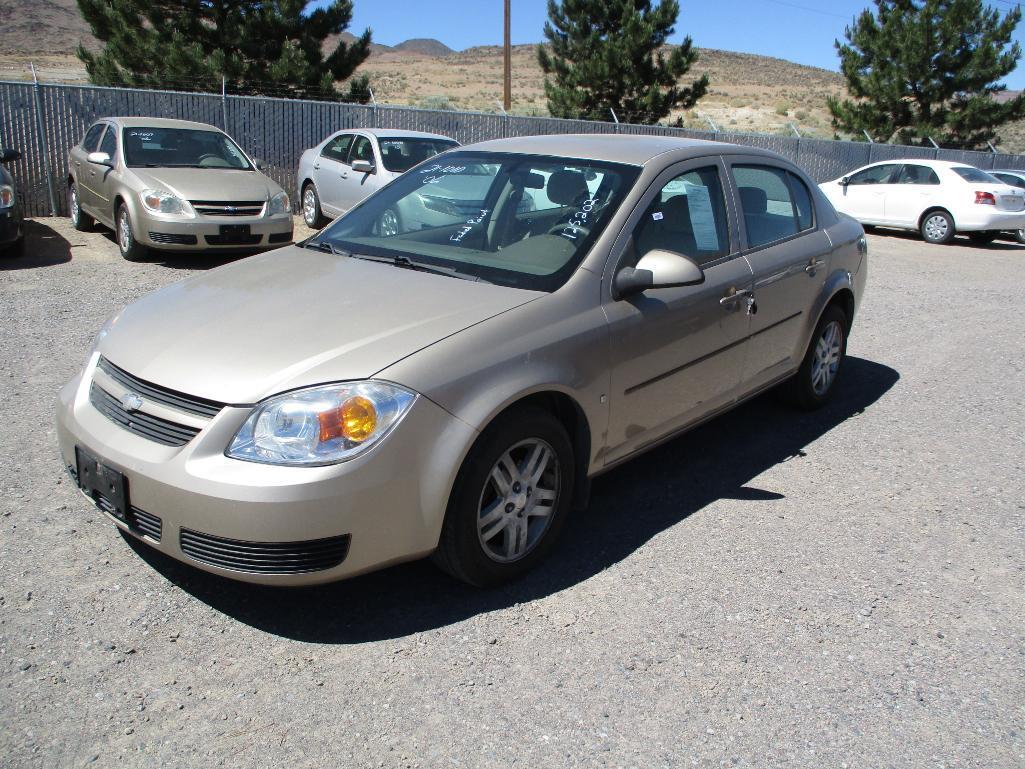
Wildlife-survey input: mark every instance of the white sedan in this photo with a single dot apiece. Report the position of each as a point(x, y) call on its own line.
point(349, 166)
point(936, 197)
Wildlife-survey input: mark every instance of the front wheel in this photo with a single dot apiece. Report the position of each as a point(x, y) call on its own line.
point(814, 383)
point(1019, 235)
point(130, 248)
point(938, 227)
point(510, 500)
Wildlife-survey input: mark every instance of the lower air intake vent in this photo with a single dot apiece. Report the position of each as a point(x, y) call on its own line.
point(265, 557)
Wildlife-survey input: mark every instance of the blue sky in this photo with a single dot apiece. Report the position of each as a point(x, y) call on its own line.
point(798, 30)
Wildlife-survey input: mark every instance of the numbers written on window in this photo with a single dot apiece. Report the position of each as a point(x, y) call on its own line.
point(775, 203)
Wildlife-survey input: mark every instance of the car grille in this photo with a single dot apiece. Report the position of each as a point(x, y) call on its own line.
point(264, 557)
point(228, 208)
point(201, 407)
point(172, 239)
point(148, 426)
point(233, 240)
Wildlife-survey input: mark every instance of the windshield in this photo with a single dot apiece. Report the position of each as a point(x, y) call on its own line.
point(400, 155)
point(515, 220)
point(970, 174)
point(181, 148)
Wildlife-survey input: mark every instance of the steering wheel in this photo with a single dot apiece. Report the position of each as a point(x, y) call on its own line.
point(569, 231)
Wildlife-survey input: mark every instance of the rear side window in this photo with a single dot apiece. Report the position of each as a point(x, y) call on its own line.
point(109, 143)
point(802, 202)
point(911, 174)
point(767, 203)
point(874, 175)
point(688, 216)
point(92, 137)
point(338, 148)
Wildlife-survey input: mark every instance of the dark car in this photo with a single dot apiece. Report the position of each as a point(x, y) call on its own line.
point(12, 236)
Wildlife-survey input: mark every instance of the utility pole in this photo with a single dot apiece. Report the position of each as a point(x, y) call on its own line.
point(507, 100)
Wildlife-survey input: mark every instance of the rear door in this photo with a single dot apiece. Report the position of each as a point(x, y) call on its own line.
point(329, 170)
point(915, 188)
point(788, 255)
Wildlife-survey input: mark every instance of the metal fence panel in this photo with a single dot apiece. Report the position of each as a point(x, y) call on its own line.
point(279, 130)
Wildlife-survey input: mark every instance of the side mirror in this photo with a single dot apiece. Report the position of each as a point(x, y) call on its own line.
point(8, 155)
point(100, 159)
point(260, 163)
point(657, 269)
point(362, 166)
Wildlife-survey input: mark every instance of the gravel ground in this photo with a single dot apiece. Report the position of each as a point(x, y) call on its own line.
point(841, 589)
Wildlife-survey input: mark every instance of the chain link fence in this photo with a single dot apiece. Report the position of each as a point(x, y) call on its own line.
point(44, 121)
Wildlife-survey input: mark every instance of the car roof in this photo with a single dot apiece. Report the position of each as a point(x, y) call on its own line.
point(615, 148)
point(923, 162)
point(159, 122)
point(396, 133)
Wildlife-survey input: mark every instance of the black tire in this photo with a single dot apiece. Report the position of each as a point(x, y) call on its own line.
point(80, 220)
point(462, 551)
point(130, 248)
point(801, 390)
point(937, 227)
point(314, 218)
point(1019, 235)
point(983, 238)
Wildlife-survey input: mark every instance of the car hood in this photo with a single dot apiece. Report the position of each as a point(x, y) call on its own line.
point(291, 318)
point(225, 184)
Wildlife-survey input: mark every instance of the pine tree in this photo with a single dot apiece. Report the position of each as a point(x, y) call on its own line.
point(608, 54)
point(928, 68)
point(259, 46)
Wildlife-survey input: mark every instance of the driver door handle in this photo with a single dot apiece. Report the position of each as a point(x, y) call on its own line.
point(735, 296)
point(813, 265)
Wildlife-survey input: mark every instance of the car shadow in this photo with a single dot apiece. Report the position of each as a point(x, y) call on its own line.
point(629, 506)
point(44, 247)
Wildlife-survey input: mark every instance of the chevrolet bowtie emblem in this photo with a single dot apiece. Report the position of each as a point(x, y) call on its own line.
point(131, 402)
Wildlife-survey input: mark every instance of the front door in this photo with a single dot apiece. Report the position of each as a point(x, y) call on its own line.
point(865, 194)
point(84, 170)
point(328, 172)
point(677, 353)
point(355, 186)
point(105, 176)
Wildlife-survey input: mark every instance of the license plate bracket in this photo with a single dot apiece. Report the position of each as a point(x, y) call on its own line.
point(234, 230)
point(107, 487)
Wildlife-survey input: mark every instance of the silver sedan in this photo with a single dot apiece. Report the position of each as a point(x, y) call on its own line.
point(447, 388)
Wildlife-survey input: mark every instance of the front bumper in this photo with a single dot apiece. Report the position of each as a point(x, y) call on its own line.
point(389, 503)
point(204, 233)
point(983, 219)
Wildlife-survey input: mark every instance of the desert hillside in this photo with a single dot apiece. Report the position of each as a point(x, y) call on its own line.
point(747, 93)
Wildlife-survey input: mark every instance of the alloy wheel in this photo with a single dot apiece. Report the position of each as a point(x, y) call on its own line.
point(124, 231)
point(389, 223)
point(310, 206)
point(827, 358)
point(518, 499)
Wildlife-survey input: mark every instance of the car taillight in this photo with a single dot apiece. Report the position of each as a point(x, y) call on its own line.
point(985, 198)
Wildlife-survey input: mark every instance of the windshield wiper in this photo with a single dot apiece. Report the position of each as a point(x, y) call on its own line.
point(324, 245)
point(408, 264)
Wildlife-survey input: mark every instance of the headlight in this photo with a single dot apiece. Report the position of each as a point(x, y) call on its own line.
point(321, 425)
point(104, 329)
point(279, 204)
point(161, 202)
point(6, 196)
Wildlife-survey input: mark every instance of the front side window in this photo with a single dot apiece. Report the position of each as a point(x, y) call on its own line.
point(687, 216)
point(477, 215)
point(400, 155)
point(874, 175)
point(912, 174)
point(338, 148)
point(974, 175)
point(362, 149)
point(92, 137)
point(181, 148)
point(769, 210)
point(109, 143)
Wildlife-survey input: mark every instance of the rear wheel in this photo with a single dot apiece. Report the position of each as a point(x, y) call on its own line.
point(79, 220)
point(814, 383)
point(130, 248)
point(389, 223)
point(510, 501)
point(937, 227)
point(312, 214)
